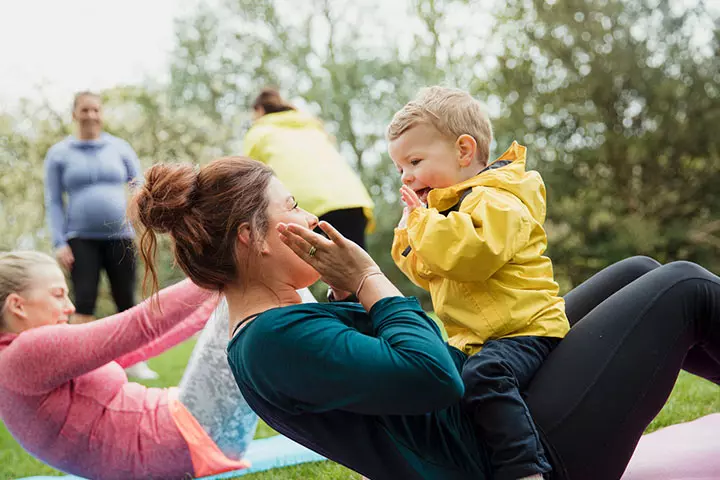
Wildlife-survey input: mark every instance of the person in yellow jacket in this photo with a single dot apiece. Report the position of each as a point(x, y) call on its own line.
point(304, 157)
point(472, 235)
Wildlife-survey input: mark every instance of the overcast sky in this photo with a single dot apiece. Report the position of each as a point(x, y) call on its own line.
point(71, 45)
point(65, 46)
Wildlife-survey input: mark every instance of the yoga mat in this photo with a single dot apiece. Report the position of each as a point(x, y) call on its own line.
point(269, 453)
point(265, 454)
point(686, 451)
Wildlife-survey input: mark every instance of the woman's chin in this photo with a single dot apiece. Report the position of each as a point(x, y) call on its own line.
point(312, 279)
point(306, 277)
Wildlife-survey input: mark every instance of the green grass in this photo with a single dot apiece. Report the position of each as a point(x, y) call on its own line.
point(691, 398)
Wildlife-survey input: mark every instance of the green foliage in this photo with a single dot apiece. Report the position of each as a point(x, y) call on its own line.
point(602, 91)
point(142, 115)
point(346, 62)
point(616, 100)
point(24, 139)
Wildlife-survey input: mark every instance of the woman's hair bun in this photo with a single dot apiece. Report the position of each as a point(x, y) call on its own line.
point(166, 196)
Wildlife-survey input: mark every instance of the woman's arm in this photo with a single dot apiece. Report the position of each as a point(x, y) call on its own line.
point(43, 358)
point(54, 205)
point(313, 362)
point(132, 164)
point(188, 327)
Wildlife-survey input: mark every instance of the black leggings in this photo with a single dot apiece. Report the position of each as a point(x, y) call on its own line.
point(635, 325)
point(117, 257)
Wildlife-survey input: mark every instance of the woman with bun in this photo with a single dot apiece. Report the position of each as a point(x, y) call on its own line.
point(372, 385)
point(305, 158)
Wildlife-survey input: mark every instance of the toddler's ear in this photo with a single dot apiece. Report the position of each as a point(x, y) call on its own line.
point(466, 147)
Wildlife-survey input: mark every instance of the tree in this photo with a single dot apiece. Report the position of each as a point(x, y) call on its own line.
point(25, 137)
point(144, 116)
point(617, 101)
point(348, 63)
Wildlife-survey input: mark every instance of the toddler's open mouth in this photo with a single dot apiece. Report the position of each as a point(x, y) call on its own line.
point(423, 194)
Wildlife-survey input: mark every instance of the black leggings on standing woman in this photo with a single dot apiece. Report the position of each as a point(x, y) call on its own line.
point(117, 258)
point(635, 325)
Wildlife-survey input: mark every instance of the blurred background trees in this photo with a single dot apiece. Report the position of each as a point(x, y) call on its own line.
point(618, 102)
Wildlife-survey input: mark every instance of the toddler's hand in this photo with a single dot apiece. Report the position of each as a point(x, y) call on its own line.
point(410, 198)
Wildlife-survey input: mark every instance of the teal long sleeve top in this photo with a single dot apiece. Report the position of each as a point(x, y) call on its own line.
point(378, 392)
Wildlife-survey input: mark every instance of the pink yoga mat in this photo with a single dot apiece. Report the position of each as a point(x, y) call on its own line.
point(688, 451)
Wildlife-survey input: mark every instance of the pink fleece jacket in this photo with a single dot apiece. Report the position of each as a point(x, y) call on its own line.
point(65, 398)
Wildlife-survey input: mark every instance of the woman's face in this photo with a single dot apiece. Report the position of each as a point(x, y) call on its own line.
point(45, 301)
point(88, 115)
point(283, 208)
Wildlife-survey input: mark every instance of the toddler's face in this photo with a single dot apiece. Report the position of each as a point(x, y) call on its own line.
point(426, 159)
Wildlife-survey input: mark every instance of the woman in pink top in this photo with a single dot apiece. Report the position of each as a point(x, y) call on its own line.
point(65, 398)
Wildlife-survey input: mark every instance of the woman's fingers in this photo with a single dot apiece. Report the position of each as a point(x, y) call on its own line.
point(307, 244)
point(340, 262)
point(313, 239)
point(335, 236)
point(297, 244)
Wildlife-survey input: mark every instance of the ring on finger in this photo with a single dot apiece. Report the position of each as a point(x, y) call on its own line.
point(313, 251)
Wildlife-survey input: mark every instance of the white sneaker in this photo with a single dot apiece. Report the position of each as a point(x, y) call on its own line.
point(142, 371)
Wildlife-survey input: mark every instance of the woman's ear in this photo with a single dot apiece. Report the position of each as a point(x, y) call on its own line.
point(467, 147)
point(243, 234)
point(245, 238)
point(14, 304)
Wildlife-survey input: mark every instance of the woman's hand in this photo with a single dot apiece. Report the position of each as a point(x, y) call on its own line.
point(65, 257)
point(341, 263)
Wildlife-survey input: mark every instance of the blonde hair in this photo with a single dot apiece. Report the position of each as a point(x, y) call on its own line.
point(15, 271)
point(451, 111)
point(85, 93)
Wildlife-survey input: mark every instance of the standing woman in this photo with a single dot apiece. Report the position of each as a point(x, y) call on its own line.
point(89, 232)
point(304, 157)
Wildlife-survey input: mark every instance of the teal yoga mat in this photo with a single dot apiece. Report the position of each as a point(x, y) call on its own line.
point(265, 454)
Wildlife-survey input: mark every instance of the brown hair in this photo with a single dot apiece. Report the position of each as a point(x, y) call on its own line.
point(15, 272)
point(85, 93)
point(271, 101)
point(202, 210)
point(451, 111)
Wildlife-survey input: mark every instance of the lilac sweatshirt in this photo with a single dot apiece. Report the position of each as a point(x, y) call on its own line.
point(65, 398)
point(93, 175)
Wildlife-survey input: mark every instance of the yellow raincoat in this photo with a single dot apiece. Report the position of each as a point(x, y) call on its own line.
point(483, 264)
point(304, 158)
